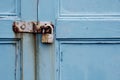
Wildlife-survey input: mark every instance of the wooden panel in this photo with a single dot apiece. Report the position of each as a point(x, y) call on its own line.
point(6, 30)
point(88, 28)
point(9, 7)
point(89, 7)
point(90, 60)
point(10, 60)
point(29, 10)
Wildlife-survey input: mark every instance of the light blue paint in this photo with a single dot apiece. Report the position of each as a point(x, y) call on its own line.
point(28, 57)
point(10, 63)
point(89, 61)
point(87, 7)
point(87, 40)
point(7, 61)
point(6, 29)
point(29, 10)
point(17, 58)
point(46, 10)
point(11, 7)
point(88, 28)
point(46, 56)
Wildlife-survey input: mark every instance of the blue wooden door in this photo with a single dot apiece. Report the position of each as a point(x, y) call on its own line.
point(16, 50)
point(87, 40)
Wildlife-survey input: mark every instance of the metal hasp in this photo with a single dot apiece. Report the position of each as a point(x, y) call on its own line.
point(44, 28)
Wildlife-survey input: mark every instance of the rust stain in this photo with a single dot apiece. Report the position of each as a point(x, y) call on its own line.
point(15, 29)
point(35, 54)
point(37, 27)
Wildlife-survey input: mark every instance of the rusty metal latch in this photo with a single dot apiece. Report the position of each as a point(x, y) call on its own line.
point(44, 28)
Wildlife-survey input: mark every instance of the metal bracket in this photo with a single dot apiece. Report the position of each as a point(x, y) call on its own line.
point(44, 28)
point(31, 27)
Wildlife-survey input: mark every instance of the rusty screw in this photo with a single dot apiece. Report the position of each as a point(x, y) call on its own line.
point(22, 27)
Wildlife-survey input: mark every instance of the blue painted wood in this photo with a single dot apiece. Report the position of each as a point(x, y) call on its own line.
point(17, 51)
point(46, 56)
point(87, 40)
point(29, 13)
point(10, 63)
point(46, 13)
point(89, 61)
point(7, 61)
point(88, 28)
point(87, 36)
point(28, 57)
point(86, 7)
point(6, 29)
point(96, 58)
point(12, 8)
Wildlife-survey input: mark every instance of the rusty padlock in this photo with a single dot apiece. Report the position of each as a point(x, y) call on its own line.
point(47, 33)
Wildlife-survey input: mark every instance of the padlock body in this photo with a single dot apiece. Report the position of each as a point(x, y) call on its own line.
point(47, 38)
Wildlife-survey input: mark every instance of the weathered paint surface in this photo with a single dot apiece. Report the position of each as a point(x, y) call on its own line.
point(87, 40)
point(17, 51)
point(86, 45)
point(46, 56)
point(10, 64)
point(90, 60)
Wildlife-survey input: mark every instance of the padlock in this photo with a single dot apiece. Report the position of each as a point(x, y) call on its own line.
point(47, 33)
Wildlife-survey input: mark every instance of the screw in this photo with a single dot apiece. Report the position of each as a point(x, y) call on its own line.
point(22, 26)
